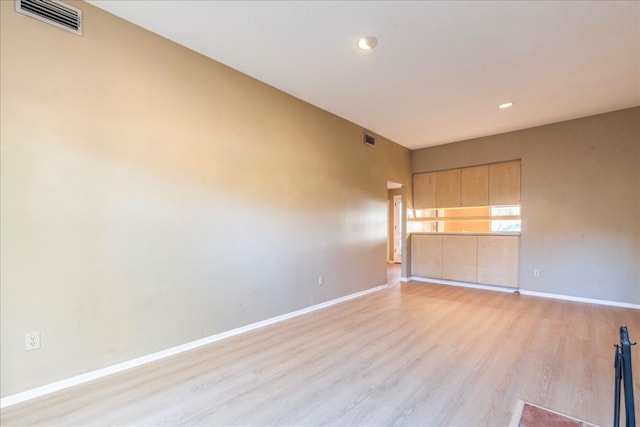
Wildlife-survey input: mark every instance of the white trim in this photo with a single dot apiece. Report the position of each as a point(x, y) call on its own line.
point(529, 293)
point(405, 279)
point(464, 284)
point(581, 299)
point(516, 415)
point(119, 367)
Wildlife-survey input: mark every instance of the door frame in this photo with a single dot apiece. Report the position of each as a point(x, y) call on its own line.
point(399, 190)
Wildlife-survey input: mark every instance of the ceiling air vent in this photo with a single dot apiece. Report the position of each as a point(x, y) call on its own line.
point(369, 140)
point(52, 12)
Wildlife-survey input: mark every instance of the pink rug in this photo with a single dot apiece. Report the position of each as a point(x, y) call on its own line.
point(530, 415)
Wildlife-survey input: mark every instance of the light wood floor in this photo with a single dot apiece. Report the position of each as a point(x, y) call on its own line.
point(393, 273)
point(413, 355)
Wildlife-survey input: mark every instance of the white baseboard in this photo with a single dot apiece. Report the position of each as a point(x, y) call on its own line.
point(109, 370)
point(464, 284)
point(530, 293)
point(580, 299)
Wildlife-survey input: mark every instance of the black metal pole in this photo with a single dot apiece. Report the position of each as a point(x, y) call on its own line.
point(618, 379)
point(627, 377)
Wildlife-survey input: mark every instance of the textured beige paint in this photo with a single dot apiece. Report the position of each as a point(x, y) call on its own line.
point(151, 197)
point(580, 201)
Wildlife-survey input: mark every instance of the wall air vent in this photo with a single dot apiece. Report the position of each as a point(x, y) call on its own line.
point(369, 140)
point(52, 12)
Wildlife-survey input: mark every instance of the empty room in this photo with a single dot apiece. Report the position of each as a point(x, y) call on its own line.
point(306, 213)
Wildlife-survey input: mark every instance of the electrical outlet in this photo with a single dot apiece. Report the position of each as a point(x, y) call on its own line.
point(536, 273)
point(320, 281)
point(32, 340)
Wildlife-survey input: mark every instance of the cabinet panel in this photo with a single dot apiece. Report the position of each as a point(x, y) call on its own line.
point(460, 258)
point(424, 190)
point(474, 186)
point(504, 183)
point(448, 188)
point(498, 260)
point(426, 256)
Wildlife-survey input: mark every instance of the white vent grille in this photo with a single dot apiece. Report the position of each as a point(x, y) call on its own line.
point(52, 12)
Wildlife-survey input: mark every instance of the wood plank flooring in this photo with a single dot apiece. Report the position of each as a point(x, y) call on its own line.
point(413, 355)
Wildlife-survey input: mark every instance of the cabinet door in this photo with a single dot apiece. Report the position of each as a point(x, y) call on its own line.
point(460, 258)
point(448, 188)
point(474, 186)
point(426, 256)
point(424, 190)
point(498, 260)
point(504, 183)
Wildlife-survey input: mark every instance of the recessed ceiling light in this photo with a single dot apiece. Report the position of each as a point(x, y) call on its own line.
point(505, 105)
point(367, 43)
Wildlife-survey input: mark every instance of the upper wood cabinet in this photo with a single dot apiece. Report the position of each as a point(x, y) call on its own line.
point(448, 188)
point(485, 185)
point(474, 186)
point(504, 183)
point(424, 190)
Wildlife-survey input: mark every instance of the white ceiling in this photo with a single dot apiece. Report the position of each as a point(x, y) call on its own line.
point(440, 68)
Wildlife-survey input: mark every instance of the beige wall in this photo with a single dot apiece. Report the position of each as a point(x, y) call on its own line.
point(580, 201)
point(151, 197)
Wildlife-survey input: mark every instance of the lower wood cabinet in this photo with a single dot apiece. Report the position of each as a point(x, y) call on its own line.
point(490, 260)
point(426, 255)
point(498, 260)
point(459, 258)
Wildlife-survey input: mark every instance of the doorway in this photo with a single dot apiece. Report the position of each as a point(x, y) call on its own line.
point(395, 231)
point(395, 223)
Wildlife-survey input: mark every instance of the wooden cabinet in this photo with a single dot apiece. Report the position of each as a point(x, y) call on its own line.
point(474, 186)
point(504, 183)
point(485, 185)
point(448, 188)
point(426, 255)
point(459, 258)
point(485, 259)
point(424, 190)
point(498, 260)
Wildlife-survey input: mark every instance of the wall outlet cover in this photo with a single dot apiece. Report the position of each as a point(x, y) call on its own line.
point(32, 340)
